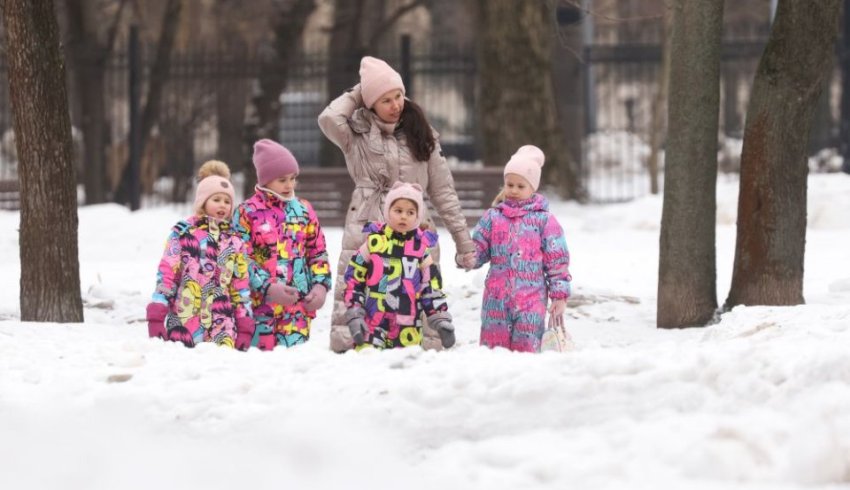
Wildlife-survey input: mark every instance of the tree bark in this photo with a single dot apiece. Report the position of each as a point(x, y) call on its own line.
point(50, 270)
point(687, 291)
point(515, 83)
point(771, 240)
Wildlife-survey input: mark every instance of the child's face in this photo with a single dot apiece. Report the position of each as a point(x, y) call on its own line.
point(403, 214)
point(388, 107)
point(517, 188)
point(285, 185)
point(218, 206)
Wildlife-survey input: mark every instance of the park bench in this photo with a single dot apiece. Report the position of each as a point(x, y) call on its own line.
point(329, 191)
point(10, 196)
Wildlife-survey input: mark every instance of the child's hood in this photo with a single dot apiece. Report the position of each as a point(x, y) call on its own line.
point(513, 209)
point(429, 236)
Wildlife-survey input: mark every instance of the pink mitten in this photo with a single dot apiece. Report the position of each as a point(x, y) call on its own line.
point(280, 293)
point(315, 298)
point(244, 333)
point(155, 315)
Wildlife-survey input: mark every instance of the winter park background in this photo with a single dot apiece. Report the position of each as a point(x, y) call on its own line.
point(760, 400)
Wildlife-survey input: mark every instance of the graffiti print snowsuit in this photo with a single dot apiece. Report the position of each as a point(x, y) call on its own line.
point(203, 281)
point(529, 260)
point(393, 278)
point(284, 243)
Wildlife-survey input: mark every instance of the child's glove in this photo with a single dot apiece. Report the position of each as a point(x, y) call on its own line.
point(467, 261)
point(357, 325)
point(244, 333)
point(280, 293)
point(446, 331)
point(155, 315)
point(315, 298)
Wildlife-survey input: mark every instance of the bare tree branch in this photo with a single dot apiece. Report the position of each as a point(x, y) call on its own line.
point(381, 29)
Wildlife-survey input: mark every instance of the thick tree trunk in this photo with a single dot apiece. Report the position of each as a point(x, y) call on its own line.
point(515, 83)
point(687, 291)
point(50, 269)
point(771, 237)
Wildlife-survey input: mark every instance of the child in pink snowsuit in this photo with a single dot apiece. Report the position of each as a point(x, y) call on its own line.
point(202, 290)
point(392, 280)
point(529, 260)
point(288, 260)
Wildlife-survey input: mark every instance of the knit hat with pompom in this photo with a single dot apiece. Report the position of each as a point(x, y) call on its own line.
point(212, 179)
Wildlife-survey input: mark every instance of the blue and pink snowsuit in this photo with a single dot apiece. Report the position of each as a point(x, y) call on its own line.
point(529, 261)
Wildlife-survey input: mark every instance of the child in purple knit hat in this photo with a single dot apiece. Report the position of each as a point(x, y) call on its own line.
point(286, 249)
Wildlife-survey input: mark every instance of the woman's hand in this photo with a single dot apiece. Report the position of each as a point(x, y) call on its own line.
point(466, 261)
point(558, 307)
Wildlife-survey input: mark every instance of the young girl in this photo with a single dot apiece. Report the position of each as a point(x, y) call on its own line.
point(392, 279)
point(528, 258)
point(286, 247)
point(202, 291)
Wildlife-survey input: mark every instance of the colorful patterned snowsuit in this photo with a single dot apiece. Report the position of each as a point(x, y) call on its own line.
point(394, 280)
point(203, 281)
point(528, 256)
point(284, 242)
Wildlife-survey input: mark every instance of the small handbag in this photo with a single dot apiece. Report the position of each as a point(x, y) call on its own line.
point(555, 337)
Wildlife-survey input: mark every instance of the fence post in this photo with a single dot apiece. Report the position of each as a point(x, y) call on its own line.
point(844, 126)
point(589, 89)
point(134, 138)
point(406, 75)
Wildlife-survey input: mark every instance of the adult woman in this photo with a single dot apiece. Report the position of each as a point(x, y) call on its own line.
point(386, 138)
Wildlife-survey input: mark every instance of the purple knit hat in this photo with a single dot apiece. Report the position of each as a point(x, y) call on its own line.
point(376, 79)
point(411, 192)
point(527, 162)
point(273, 161)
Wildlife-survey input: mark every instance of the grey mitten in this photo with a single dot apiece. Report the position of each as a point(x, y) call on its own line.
point(446, 331)
point(359, 330)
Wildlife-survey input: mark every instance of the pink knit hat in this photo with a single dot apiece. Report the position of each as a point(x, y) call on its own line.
point(213, 175)
point(376, 79)
point(527, 163)
point(411, 192)
point(272, 161)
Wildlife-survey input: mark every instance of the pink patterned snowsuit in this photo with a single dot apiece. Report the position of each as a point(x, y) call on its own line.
point(529, 260)
point(203, 281)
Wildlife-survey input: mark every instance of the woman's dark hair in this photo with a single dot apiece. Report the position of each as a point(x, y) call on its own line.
point(420, 138)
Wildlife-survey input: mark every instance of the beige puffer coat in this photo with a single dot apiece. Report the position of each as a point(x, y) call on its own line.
point(377, 158)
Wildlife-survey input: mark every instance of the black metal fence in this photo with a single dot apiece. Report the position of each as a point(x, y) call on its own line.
point(203, 112)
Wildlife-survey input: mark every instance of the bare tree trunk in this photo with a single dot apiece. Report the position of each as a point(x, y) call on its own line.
point(87, 61)
point(288, 27)
point(50, 268)
point(656, 134)
point(771, 240)
point(156, 83)
point(515, 80)
point(687, 290)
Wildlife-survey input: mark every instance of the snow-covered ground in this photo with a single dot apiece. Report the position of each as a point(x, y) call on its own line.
point(759, 401)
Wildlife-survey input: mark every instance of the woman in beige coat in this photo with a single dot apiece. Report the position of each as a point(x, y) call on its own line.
point(386, 138)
